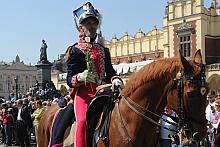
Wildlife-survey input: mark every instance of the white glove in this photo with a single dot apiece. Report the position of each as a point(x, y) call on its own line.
point(82, 76)
point(117, 83)
point(86, 76)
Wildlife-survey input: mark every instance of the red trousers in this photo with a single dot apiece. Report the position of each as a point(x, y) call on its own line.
point(83, 97)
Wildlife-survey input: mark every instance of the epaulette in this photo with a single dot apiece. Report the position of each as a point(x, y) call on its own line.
point(68, 53)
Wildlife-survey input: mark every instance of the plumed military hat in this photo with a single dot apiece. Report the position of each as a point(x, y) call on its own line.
point(86, 11)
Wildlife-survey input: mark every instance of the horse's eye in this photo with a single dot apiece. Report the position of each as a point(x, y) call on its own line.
point(203, 90)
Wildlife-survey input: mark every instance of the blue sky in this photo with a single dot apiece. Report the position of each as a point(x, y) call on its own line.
point(24, 23)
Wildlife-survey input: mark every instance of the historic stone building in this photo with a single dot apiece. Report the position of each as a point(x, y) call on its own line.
point(58, 74)
point(25, 75)
point(142, 46)
point(187, 25)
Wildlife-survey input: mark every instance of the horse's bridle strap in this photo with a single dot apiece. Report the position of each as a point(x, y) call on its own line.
point(130, 101)
point(144, 116)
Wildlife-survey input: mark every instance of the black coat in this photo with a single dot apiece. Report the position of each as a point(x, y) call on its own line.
point(26, 116)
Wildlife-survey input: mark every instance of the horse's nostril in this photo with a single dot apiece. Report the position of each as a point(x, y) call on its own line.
point(196, 136)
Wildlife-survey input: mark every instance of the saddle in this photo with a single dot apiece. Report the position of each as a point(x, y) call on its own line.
point(98, 115)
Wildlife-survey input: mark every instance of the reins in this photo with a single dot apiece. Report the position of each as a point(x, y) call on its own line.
point(129, 101)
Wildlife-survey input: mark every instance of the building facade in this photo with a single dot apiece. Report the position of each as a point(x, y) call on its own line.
point(142, 46)
point(187, 26)
point(25, 75)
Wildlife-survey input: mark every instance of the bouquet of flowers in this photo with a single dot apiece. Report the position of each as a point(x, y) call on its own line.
point(90, 65)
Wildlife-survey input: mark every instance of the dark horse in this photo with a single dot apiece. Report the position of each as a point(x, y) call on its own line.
point(144, 97)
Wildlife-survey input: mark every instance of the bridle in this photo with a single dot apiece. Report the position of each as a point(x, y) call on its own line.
point(178, 84)
point(184, 119)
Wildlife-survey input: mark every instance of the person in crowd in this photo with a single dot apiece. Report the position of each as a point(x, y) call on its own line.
point(88, 66)
point(37, 115)
point(167, 122)
point(210, 111)
point(3, 116)
point(217, 96)
point(1, 123)
point(45, 104)
point(15, 114)
point(49, 102)
point(216, 125)
point(8, 122)
point(62, 102)
point(14, 111)
point(24, 123)
point(55, 100)
point(210, 114)
point(9, 104)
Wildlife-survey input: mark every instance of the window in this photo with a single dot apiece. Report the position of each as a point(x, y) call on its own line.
point(185, 45)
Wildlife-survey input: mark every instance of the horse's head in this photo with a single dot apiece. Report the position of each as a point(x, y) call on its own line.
point(188, 97)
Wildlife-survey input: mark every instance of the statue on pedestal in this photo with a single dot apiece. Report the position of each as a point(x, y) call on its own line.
point(43, 52)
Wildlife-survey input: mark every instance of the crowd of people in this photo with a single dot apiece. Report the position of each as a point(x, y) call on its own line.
point(19, 119)
point(213, 120)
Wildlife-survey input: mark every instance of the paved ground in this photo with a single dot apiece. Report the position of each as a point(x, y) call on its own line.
point(33, 143)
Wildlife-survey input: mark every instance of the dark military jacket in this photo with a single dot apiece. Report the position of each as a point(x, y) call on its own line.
point(76, 63)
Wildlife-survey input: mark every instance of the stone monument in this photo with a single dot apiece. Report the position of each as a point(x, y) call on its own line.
point(43, 67)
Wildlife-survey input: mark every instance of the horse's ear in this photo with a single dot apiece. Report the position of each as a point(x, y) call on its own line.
point(198, 57)
point(186, 65)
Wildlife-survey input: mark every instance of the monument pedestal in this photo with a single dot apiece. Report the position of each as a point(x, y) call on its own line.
point(43, 73)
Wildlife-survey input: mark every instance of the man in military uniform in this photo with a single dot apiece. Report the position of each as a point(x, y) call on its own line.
point(88, 66)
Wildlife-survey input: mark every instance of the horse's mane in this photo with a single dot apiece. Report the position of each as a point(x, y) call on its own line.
point(163, 68)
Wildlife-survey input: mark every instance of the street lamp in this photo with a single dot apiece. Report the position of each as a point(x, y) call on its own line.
point(9, 89)
point(16, 87)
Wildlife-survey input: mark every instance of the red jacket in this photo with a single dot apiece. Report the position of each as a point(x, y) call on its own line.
point(8, 119)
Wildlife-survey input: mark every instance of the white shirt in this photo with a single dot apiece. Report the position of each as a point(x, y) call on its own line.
point(209, 115)
point(19, 114)
point(164, 132)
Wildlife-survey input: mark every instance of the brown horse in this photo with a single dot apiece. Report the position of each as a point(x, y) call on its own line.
point(45, 126)
point(134, 118)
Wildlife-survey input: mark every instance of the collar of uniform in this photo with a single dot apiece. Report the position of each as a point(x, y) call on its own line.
point(84, 39)
point(84, 46)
